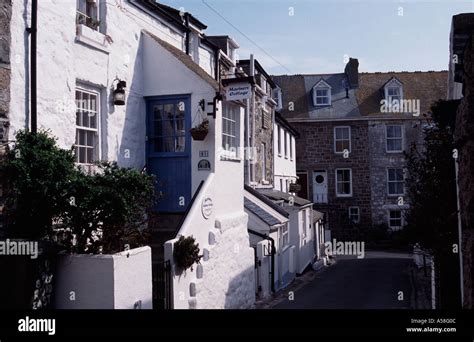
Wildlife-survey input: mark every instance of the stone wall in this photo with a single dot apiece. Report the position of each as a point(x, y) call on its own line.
point(464, 135)
point(315, 151)
point(263, 135)
point(380, 161)
point(5, 17)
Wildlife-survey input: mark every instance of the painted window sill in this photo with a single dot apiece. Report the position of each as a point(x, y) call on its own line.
point(92, 38)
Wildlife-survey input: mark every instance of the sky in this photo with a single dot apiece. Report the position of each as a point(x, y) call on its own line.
point(317, 36)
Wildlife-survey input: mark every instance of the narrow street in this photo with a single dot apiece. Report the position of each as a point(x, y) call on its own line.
point(370, 283)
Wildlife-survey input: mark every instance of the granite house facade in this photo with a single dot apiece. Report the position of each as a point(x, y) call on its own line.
point(350, 154)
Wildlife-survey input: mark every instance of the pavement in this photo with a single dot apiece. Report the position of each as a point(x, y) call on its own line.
point(381, 280)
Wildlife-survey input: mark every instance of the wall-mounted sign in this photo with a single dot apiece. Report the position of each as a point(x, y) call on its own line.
point(206, 207)
point(204, 165)
point(295, 187)
point(203, 154)
point(238, 91)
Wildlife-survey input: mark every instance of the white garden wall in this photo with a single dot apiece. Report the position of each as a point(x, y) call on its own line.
point(118, 281)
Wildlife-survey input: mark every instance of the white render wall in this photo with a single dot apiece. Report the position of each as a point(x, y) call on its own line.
point(62, 62)
point(285, 167)
point(225, 277)
point(115, 281)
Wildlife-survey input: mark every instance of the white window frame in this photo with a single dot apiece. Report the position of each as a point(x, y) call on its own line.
point(230, 136)
point(285, 236)
point(97, 148)
point(402, 138)
point(395, 181)
point(86, 15)
point(264, 160)
point(350, 180)
point(279, 129)
point(291, 147)
point(358, 214)
point(394, 84)
point(316, 96)
point(389, 218)
point(335, 138)
point(304, 224)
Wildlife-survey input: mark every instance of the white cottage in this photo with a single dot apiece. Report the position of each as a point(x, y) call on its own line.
point(89, 50)
point(285, 154)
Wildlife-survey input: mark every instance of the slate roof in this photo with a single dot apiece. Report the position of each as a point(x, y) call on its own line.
point(277, 195)
point(260, 213)
point(186, 60)
point(364, 101)
point(266, 200)
point(172, 13)
point(293, 90)
point(428, 87)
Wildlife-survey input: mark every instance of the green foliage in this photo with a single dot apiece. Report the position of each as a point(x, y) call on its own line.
point(101, 213)
point(107, 210)
point(431, 184)
point(37, 171)
point(186, 252)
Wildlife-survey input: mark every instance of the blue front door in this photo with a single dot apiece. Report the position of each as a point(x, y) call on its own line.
point(169, 150)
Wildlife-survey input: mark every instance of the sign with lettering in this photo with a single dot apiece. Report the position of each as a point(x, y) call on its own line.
point(206, 207)
point(203, 154)
point(238, 91)
point(294, 187)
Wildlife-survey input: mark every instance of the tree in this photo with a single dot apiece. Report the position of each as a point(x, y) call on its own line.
point(431, 184)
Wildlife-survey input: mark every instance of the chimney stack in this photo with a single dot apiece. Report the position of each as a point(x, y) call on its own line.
point(352, 72)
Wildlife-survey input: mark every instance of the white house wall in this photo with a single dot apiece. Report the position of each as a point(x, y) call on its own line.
point(225, 278)
point(285, 168)
point(62, 62)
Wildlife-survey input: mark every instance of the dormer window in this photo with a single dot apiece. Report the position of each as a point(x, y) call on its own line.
point(394, 91)
point(322, 94)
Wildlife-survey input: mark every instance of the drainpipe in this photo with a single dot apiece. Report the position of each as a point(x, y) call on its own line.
point(252, 74)
point(188, 32)
point(33, 70)
point(461, 269)
point(272, 242)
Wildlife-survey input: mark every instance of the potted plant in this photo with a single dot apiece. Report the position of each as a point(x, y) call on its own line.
point(186, 252)
point(200, 132)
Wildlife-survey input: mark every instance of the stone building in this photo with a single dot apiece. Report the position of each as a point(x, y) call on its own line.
point(259, 129)
point(354, 128)
point(5, 17)
point(461, 86)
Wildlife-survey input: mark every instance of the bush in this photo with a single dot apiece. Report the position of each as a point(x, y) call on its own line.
point(107, 211)
point(37, 172)
point(50, 198)
point(186, 252)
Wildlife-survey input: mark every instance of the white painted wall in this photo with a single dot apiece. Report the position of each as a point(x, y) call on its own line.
point(285, 166)
point(115, 281)
point(62, 62)
point(225, 278)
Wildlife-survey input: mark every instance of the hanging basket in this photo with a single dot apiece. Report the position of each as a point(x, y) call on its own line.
point(200, 132)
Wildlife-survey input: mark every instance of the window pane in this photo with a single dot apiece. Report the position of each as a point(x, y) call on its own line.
point(90, 155)
point(82, 154)
point(158, 112)
point(91, 139)
point(85, 119)
point(82, 137)
point(180, 143)
point(166, 128)
point(168, 112)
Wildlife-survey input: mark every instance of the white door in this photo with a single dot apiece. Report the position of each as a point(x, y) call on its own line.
point(320, 186)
